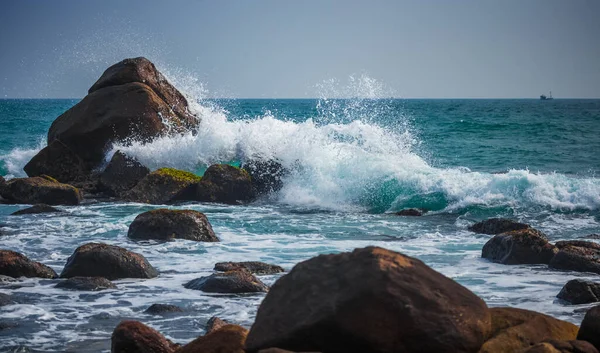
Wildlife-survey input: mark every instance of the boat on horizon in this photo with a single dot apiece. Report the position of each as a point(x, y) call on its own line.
point(546, 97)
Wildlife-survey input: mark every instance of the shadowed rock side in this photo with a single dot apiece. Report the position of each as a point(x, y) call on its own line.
point(554, 346)
point(259, 268)
point(227, 339)
point(36, 209)
point(165, 224)
point(579, 291)
point(108, 261)
point(58, 161)
point(2, 184)
point(577, 255)
point(86, 284)
point(495, 226)
point(16, 265)
point(42, 189)
point(135, 337)
point(225, 184)
point(121, 174)
point(237, 281)
point(526, 246)
point(369, 300)
point(266, 175)
point(590, 327)
point(163, 186)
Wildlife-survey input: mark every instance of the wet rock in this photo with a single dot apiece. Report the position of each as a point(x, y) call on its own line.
point(41, 189)
point(577, 255)
point(554, 346)
point(229, 338)
point(579, 291)
point(369, 300)
point(526, 246)
point(5, 299)
point(410, 212)
point(256, 267)
point(58, 161)
point(2, 184)
point(239, 281)
point(17, 265)
point(121, 174)
point(266, 175)
point(590, 327)
point(161, 309)
point(495, 226)
point(163, 186)
point(36, 209)
point(225, 184)
point(165, 224)
point(135, 337)
point(515, 329)
point(108, 261)
point(86, 284)
point(214, 323)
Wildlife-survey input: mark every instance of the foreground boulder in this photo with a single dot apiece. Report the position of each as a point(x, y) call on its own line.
point(227, 339)
point(108, 261)
point(266, 175)
point(225, 184)
point(369, 300)
point(163, 186)
point(164, 224)
point(495, 226)
point(86, 284)
point(256, 267)
point(514, 329)
point(526, 246)
point(578, 291)
point(577, 255)
point(58, 161)
point(16, 265)
point(41, 189)
point(36, 209)
point(239, 281)
point(135, 337)
point(590, 327)
point(121, 174)
point(161, 309)
point(554, 346)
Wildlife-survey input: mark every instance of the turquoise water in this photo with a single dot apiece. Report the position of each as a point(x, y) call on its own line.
point(353, 162)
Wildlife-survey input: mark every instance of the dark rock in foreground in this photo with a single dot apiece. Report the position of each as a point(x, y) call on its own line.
point(554, 346)
point(164, 224)
point(108, 261)
point(17, 265)
point(121, 174)
point(58, 161)
point(161, 309)
point(265, 175)
point(579, 291)
point(577, 255)
point(369, 300)
point(225, 184)
point(213, 324)
point(259, 268)
point(36, 209)
point(526, 246)
point(227, 339)
point(495, 226)
point(412, 212)
point(86, 284)
point(240, 281)
point(590, 327)
point(135, 337)
point(42, 189)
point(163, 186)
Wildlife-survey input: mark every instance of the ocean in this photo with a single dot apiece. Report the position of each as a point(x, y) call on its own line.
point(353, 162)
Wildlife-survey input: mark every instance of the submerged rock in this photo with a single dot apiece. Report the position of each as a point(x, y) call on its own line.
point(525, 246)
point(58, 161)
point(5, 299)
point(577, 255)
point(214, 323)
point(410, 212)
point(495, 226)
point(36, 209)
point(17, 265)
point(42, 189)
point(369, 300)
point(122, 173)
point(554, 346)
point(227, 339)
point(259, 268)
point(579, 291)
point(165, 224)
point(266, 175)
point(225, 184)
point(161, 309)
point(163, 186)
point(86, 284)
point(238, 281)
point(135, 337)
point(590, 327)
point(108, 261)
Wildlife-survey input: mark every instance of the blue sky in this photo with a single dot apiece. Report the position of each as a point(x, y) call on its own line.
point(276, 49)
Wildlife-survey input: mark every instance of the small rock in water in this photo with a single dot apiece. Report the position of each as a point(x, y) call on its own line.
point(227, 339)
point(238, 281)
point(411, 212)
point(266, 175)
point(256, 267)
point(42, 189)
point(495, 226)
point(164, 224)
point(35, 209)
point(225, 184)
point(591, 236)
point(214, 323)
point(86, 284)
point(590, 327)
point(161, 309)
point(579, 291)
point(17, 265)
point(135, 337)
point(577, 255)
point(5, 299)
point(525, 246)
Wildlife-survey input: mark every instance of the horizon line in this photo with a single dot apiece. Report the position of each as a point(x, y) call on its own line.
point(316, 98)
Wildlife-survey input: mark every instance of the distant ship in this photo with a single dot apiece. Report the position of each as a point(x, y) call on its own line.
point(546, 97)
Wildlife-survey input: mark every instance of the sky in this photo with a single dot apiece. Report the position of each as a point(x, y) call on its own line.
point(308, 48)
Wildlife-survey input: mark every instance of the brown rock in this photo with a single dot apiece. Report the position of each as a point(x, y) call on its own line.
point(161, 309)
point(36, 209)
point(121, 174)
point(238, 281)
point(527, 246)
point(590, 327)
point(579, 291)
point(411, 212)
point(163, 186)
point(42, 189)
point(17, 265)
point(369, 300)
point(86, 284)
point(108, 261)
point(495, 226)
point(554, 346)
point(515, 329)
point(227, 339)
point(135, 337)
point(577, 255)
point(214, 323)
point(165, 224)
point(58, 161)
point(259, 268)
point(225, 184)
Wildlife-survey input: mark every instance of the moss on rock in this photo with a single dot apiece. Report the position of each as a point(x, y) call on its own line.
point(179, 175)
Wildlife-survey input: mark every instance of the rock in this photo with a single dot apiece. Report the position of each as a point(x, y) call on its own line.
point(590, 327)
point(86, 284)
point(165, 224)
point(259, 268)
point(161, 309)
point(591, 236)
point(225, 184)
point(162, 186)
point(526, 246)
point(5, 299)
point(17, 265)
point(227, 339)
point(369, 300)
point(214, 323)
point(239, 281)
point(266, 175)
point(135, 337)
point(36, 209)
point(108, 261)
point(410, 212)
point(577, 255)
point(515, 329)
point(121, 174)
point(58, 161)
point(2, 184)
point(554, 346)
point(495, 226)
point(579, 291)
point(42, 189)
point(5, 280)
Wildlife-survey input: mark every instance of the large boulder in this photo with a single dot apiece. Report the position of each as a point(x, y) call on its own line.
point(577, 255)
point(42, 189)
point(36, 209)
point(135, 337)
point(237, 281)
point(121, 174)
point(86, 284)
point(514, 329)
point(369, 300)
point(526, 246)
point(227, 339)
point(58, 161)
point(259, 268)
point(108, 261)
point(225, 184)
point(164, 224)
point(495, 226)
point(163, 186)
point(590, 327)
point(554, 346)
point(16, 265)
point(266, 175)
point(578, 291)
